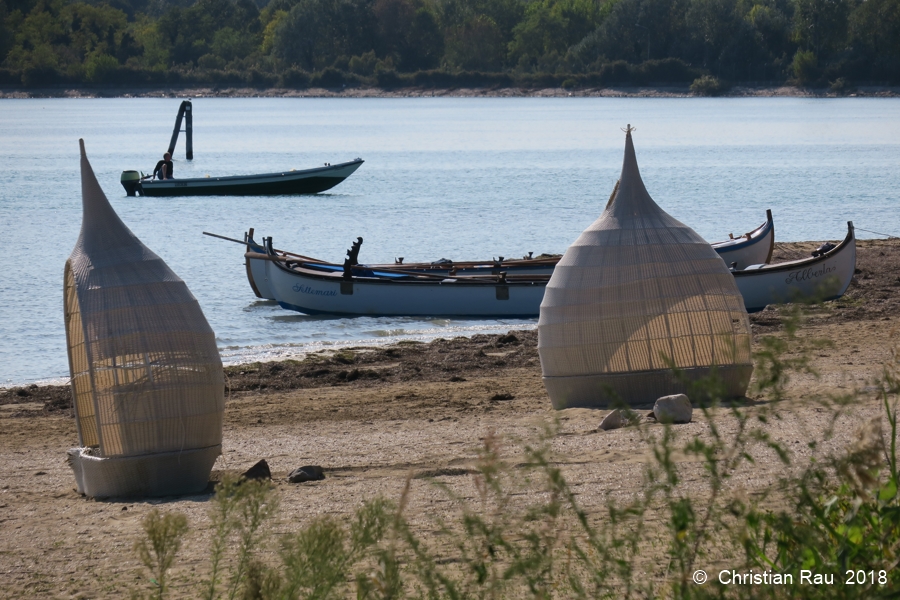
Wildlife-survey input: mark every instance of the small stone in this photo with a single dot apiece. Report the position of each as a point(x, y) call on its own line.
point(613, 420)
point(258, 471)
point(507, 339)
point(673, 409)
point(307, 473)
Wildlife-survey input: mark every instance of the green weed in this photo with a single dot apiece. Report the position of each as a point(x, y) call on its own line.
point(523, 533)
point(157, 551)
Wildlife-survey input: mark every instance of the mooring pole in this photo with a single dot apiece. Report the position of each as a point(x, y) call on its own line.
point(184, 112)
point(188, 131)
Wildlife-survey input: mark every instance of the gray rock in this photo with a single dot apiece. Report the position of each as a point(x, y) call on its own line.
point(258, 471)
point(673, 409)
point(307, 473)
point(613, 420)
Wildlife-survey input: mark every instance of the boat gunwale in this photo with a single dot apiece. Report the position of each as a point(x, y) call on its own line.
point(457, 281)
point(755, 236)
point(238, 179)
point(802, 262)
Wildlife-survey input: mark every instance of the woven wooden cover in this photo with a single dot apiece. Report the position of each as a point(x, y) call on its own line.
point(147, 378)
point(636, 289)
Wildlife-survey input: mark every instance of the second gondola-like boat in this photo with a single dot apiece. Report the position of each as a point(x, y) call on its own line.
point(824, 276)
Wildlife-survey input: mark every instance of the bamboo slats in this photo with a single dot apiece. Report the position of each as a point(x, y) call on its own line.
point(637, 294)
point(147, 378)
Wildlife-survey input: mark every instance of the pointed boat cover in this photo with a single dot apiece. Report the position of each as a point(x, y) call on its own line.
point(147, 378)
point(638, 289)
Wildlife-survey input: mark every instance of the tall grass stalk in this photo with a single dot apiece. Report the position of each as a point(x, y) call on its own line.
point(157, 551)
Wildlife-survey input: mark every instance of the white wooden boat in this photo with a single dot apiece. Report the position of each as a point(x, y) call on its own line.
point(312, 286)
point(258, 277)
point(751, 248)
point(360, 290)
point(818, 278)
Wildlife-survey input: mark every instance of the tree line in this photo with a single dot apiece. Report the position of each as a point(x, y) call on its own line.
point(445, 43)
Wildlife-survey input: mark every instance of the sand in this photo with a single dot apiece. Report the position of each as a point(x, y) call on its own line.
point(373, 418)
point(217, 91)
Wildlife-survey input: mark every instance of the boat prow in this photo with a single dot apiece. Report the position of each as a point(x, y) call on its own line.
point(752, 248)
point(818, 278)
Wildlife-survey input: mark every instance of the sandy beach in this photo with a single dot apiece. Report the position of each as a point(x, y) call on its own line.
point(377, 418)
point(226, 91)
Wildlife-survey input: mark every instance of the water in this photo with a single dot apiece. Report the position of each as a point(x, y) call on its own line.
point(454, 178)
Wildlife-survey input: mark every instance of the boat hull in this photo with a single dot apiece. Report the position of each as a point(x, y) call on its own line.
point(392, 294)
point(308, 181)
point(812, 279)
point(361, 296)
point(751, 248)
point(256, 271)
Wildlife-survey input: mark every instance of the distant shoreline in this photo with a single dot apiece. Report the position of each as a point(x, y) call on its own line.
point(785, 91)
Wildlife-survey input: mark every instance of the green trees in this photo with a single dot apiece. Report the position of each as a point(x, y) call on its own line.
point(407, 32)
point(210, 29)
point(874, 32)
point(79, 40)
point(810, 42)
point(476, 32)
point(770, 29)
point(315, 33)
point(549, 28)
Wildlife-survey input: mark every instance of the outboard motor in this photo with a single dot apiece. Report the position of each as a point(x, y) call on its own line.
point(824, 249)
point(131, 181)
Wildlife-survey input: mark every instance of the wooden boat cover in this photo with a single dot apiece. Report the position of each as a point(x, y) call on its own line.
point(147, 378)
point(637, 292)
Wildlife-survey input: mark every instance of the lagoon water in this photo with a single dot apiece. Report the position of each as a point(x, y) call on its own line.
point(444, 178)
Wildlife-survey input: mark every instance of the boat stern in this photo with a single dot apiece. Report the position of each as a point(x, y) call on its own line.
point(131, 181)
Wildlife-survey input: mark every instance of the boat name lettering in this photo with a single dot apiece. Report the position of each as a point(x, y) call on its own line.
point(807, 274)
point(305, 289)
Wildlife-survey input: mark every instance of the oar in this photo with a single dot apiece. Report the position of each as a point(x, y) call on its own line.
point(227, 239)
point(244, 243)
point(338, 268)
point(518, 262)
point(513, 262)
point(429, 276)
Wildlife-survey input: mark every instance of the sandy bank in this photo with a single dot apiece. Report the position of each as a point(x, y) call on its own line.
point(374, 417)
point(512, 92)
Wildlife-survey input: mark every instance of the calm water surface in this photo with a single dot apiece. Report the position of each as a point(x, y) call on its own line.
point(453, 178)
